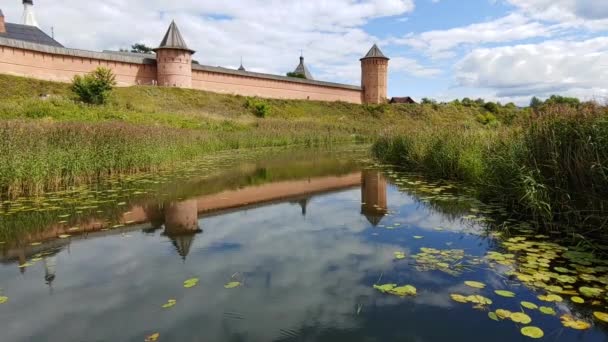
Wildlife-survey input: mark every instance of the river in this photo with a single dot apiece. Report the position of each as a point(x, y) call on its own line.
point(288, 246)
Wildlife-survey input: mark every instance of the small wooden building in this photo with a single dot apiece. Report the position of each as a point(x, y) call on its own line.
point(406, 99)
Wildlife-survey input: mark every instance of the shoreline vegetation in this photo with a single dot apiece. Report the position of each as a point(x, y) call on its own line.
point(552, 167)
point(49, 139)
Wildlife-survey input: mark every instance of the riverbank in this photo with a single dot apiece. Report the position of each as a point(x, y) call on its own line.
point(48, 140)
point(553, 167)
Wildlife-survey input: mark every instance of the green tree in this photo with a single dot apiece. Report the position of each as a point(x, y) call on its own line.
point(491, 107)
point(295, 74)
point(535, 102)
point(563, 100)
point(95, 87)
point(141, 48)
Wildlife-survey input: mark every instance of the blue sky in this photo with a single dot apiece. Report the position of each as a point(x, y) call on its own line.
point(505, 50)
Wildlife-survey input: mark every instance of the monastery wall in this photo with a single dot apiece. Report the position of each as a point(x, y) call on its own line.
point(61, 65)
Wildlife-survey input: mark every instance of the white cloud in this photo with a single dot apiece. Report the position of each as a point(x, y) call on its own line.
point(555, 66)
point(269, 34)
point(440, 43)
point(592, 14)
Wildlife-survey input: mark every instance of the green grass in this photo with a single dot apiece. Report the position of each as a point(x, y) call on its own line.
point(49, 140)
point(553, 168)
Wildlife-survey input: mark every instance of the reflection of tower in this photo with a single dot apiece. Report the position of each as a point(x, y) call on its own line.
point(373, 196)
point(303, 204)
point(50, 267)
point(181, 225)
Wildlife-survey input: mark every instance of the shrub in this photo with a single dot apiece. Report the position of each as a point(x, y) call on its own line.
point(258, 107)
point(94, 88)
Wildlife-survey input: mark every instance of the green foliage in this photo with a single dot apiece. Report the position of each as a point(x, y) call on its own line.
point(563, 100)
point(94, 88)
point(258, 107)
point(554, 168)
point(142, 48)
point(296, 75)
point(535, 102)
point(487, 119)
point(492, 107)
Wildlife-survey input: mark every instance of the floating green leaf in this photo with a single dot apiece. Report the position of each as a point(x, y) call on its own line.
point(529, 305)
point(503, 314)
point(399, 255)
point(407, 290)
point(577, 300)
point(152, 338)
point(385, 288)
point(493, 316)
point(3, 299)
point(520, 317)
point(170, 303)
point(590, 291)
point(532, 332)
point(547, 310)
point(232, 285)
point(602, 316)
point(190, 283)
point(475, 284)
point(571, 322)
point(504, 293)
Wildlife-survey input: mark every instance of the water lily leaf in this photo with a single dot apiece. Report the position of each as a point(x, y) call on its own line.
point(385, 288)
point(477, 299)
point(170, 303)
point(475, 284)
point(602, 316)
point(571, 322)
point(232, 285)
point(190, 283)
point(493, 316)
point(529, 305)
point(399, 255)
point(459, 298)
point(3, 299)
point(407, 290)
point(547, 310)
point(504, 293)
point(35, 243)
point(551, 298)
point(590, 291)
point(503, 314)
point(418, 237)
point(520, 317)
point(577, 300)
point(152, 338)
point(532, 332)
point(27, 264)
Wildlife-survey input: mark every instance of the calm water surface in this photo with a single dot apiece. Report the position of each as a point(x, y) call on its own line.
point(303, 237)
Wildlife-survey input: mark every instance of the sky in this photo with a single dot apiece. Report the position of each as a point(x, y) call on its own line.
point(501, 50)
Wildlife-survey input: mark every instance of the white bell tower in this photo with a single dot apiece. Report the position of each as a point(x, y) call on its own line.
point(29, 18)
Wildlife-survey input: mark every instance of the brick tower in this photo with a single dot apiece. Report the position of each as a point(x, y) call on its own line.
point(374, 76)
point(174, 60)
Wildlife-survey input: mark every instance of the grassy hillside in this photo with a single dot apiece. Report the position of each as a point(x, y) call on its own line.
point(48, 139)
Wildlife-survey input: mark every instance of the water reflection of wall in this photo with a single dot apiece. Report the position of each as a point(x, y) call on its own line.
point(373, 196)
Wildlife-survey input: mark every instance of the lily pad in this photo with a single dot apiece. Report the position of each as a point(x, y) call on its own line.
point(170, 303)
point(529, 305)
point(407, 290)
point(152, 338)
point(493, 316)
point(64, 236)
point(547, 310)
point(577, 300)
point(532, 332)
point(459, 298)
point(385, 288)
point(503, 314)
point(232, 285)
point(590, 291)
point(399, 255)
point(3, 299)
point(190, 283)
point(571, 322)
point(504, 293)
point(602, 316)
point(475, 284)
point(520, 317)
point(551, 298)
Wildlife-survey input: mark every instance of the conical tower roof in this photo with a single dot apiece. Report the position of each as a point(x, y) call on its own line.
point(374, 52)
point(173, 40)
point(303, 70)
